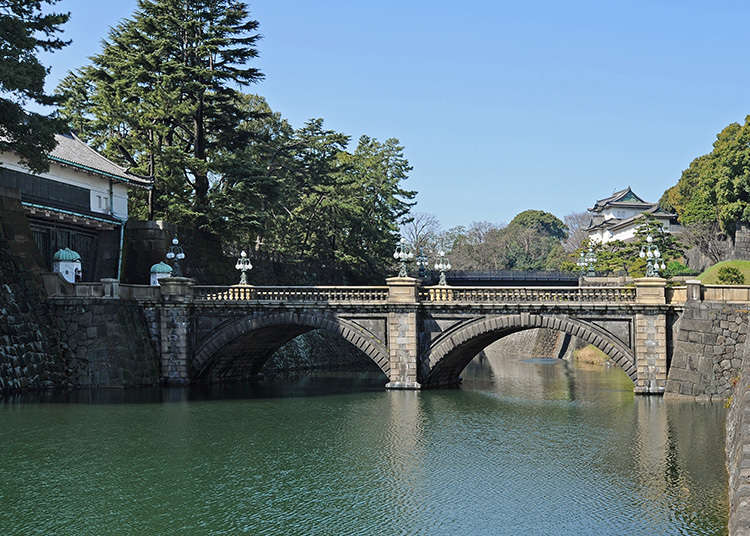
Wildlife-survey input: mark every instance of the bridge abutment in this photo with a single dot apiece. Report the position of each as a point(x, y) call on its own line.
point(402, 333)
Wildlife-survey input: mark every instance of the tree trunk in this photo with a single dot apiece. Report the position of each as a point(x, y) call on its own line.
point(200, 176)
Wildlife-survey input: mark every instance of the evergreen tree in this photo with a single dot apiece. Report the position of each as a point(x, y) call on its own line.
point(24, 31)
point(715, 188)
point(620, 256)
point(341, 209)
point(162, 97)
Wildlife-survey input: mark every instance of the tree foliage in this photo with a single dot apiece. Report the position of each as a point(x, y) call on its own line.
point(532, 241)
point(25, 30)
point(162, 97)
point(618, 256)
point(347, 209)
point(541, 222)
point(716, 186)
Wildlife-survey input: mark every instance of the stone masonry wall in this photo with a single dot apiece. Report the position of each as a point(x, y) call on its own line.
point(107, 343)
point(738, 449)
point(538, 342)
point(318, 350)
point(29, 356)
point(708, 350)
point(741, 249)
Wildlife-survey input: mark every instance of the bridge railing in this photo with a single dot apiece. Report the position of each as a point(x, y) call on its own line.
point(291, 294)
point(726, 293)
point(676, 295)
point(439, 294)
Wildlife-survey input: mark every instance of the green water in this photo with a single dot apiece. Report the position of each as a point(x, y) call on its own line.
point(524, 447)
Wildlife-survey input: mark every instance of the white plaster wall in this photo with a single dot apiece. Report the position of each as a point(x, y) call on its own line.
point(98, 186)
point(624, 234)
point(620, 213)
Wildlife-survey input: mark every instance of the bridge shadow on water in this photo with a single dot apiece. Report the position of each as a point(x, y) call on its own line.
point(309, 385)
point(509, 376)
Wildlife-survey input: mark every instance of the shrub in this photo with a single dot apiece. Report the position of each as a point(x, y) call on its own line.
point(729, 275)
point(677, 268)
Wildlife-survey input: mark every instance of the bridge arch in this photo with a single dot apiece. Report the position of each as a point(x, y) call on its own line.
point(451, 353)
point(256, 337)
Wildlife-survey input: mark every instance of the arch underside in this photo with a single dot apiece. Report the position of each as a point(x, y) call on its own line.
point(449, 355)
point(239, 349)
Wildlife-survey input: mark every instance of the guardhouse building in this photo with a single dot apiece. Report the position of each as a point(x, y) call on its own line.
point(81, 203)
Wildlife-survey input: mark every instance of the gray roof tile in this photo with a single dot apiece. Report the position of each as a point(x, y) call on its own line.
point(71, 151)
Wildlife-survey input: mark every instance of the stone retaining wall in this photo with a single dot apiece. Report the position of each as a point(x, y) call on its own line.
point(29, 356)
point(106, 342)
point(530, 343)
point(738, 450)
point(708, 350)
point(317, 350)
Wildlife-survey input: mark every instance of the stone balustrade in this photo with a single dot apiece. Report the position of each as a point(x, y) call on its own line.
point(438, 294)
point(726, 293)
point(291, 293)
point(676, 295)
point(653, 292)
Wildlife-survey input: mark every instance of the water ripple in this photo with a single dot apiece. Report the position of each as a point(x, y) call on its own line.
point(555, 452)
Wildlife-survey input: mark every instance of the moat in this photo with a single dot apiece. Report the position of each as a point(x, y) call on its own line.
point(523, 447)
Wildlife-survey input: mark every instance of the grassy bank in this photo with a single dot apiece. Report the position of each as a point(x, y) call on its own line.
point(711, 275)
point(590, 354)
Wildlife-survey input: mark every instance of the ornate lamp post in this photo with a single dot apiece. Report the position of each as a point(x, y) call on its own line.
point(587, 261)
point(175, 252)
point(403, 254)
point(652, 255)
point(442, 265)
point(243, 265)
point(421, 260)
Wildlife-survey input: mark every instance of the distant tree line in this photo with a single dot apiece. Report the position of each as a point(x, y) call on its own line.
point(533, 240)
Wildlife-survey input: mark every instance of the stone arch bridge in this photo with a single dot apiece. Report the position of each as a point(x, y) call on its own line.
point(418, 336)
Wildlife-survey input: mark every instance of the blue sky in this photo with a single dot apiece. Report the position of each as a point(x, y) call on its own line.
point(501, 106)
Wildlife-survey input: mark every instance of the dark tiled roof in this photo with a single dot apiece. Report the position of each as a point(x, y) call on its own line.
point(616, 223)
point(73, 152)
point(623, 197)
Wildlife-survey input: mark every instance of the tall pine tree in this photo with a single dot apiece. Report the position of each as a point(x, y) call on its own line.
point(25, 31)
point(163, 98)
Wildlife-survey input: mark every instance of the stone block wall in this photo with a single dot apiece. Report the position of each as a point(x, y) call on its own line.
point(651, 352)
point(537, 342)
point(402, 345)
point(29, 356)
point(318, 350)
point(708, 349)
point(741, 248)
point(738, 448)
point(146, 243)
point(106, 342)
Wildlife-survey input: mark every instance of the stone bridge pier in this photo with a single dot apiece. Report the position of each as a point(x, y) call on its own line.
point(420, 337)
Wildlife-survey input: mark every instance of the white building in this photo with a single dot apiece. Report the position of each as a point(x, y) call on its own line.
point(81, 203)
point(617, 217)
